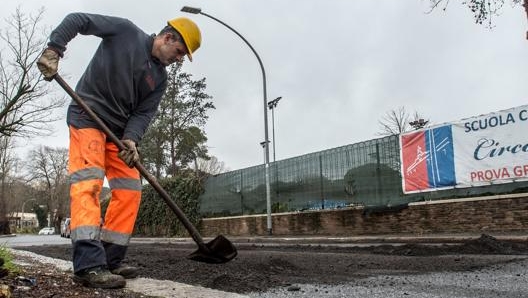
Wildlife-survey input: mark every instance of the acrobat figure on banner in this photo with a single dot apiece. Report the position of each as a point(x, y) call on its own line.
point(420, 157)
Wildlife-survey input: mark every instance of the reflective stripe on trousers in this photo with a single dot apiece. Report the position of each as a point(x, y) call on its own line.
point(90, 159)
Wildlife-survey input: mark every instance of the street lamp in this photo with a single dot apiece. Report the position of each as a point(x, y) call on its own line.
point(419, 123)
point(265, 144)
point(272, 105)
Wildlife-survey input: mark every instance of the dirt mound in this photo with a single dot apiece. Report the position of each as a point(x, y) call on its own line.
point(485, 244)
point(489, 244)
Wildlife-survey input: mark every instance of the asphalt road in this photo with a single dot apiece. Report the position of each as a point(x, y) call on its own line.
point(29, 240)
point(502, 280)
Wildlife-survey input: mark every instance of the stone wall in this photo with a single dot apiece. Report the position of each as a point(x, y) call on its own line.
point(501, 213)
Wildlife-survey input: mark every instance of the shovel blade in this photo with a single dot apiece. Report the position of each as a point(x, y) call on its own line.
point(219, 250)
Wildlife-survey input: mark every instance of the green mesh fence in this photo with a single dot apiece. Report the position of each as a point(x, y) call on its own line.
point(366, 174)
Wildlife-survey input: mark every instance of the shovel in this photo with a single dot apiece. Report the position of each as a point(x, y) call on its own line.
point(217, 251)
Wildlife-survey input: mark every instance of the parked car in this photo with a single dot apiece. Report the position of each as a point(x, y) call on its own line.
point(65, 228)
point(47, 231)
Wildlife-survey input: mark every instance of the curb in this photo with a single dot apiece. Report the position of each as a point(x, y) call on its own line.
point(167, 288)
point(8, 235)
point(341, 240)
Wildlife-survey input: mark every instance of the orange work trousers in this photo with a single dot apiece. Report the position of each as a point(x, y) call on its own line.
point(97, 240)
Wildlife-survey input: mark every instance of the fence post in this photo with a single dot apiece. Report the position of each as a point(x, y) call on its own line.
point(241, 194)
point(321, 179)
point(378, 174)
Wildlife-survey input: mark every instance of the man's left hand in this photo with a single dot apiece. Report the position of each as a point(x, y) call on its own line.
point(129, 155)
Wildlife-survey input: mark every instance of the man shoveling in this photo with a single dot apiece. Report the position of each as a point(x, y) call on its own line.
point(123, 85)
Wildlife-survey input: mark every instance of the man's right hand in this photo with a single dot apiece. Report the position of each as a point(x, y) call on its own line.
point(48, 64)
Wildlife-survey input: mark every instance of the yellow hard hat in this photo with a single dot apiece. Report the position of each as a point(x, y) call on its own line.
point(190, 33)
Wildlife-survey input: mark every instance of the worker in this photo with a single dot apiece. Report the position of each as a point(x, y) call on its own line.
point(123, 84)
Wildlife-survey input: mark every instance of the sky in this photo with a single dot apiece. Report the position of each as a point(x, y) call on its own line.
point(339, 66)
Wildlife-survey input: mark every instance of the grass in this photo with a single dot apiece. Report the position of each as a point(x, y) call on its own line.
point(8, 260)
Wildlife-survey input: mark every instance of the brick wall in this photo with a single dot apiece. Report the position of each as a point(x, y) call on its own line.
point(502, 213)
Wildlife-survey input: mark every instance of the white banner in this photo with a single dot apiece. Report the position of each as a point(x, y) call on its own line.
point(492, 148)
point(482, 150)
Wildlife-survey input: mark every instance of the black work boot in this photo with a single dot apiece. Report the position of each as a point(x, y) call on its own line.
point(125, 271)
point(99, 277)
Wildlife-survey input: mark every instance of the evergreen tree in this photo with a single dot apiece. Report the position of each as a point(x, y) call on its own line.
point(175, 138)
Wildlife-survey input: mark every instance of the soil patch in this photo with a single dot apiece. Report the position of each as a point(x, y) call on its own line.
point(41, 281)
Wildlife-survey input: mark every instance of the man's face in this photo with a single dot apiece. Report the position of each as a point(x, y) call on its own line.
point(171, 50)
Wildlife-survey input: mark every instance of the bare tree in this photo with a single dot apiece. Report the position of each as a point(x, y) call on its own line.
point(26, 109)
point(49, 174)
point(399, 120)
point(211, 166)
point(483, 10)
point(26, 104)
point(8, 165)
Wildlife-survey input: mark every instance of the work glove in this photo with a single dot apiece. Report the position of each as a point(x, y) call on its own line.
point(130, 155)
point(48, 64)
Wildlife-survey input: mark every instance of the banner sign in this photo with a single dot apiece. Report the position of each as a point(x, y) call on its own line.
point(483, 150)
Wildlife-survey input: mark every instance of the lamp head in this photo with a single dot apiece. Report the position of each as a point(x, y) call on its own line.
point(189, 9)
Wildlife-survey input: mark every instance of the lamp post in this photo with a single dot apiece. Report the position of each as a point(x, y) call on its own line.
point(264, 144)
point(272, 105)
